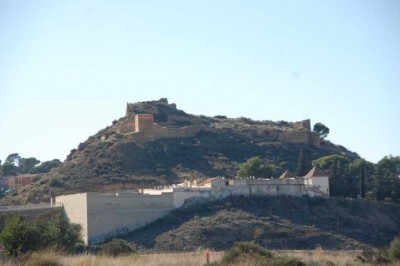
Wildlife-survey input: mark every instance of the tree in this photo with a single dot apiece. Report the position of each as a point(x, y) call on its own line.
point(387, 179)
point(341, 182)
point(9, 169)
point(362, 181)
point(13, 158)
point(68, 234)
point(364, 170)
point(20, 236)
point(10, 166)
point(17, 237)
point(322, 130)
point(45, 167)
point(25, 165)
point(303, 164)
point(254, 167)
point(325, 163)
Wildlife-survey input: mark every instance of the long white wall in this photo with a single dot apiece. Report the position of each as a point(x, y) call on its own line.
point(106, 215)
point(114, 214)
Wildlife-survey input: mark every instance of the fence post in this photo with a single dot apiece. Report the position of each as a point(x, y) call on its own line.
point(207, 254)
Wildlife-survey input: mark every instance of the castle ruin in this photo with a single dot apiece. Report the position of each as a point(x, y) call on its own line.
point(142, 128)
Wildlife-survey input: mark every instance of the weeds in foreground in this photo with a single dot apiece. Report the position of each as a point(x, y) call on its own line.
point(249, 253)
point(242, 254)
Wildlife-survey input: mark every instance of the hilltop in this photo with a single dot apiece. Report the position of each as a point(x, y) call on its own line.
point(172, 145)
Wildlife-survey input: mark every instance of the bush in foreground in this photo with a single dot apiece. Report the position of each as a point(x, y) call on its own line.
point(252, 254)
point(20, 236)
point(394, 249)
point(117, 247)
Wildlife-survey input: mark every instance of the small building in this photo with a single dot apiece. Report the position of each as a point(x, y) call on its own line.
point(20, 180)
point(318, 182)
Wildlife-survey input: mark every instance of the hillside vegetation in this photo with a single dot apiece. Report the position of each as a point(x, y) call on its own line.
point(110, 160)
point(273, 223)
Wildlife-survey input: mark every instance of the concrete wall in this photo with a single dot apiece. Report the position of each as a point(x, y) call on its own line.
point(75, 208)
point(317, 186)
point(113, 214)
point(180, 196)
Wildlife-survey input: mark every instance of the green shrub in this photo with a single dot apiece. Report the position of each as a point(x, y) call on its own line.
point(117, 247)
point(55, 182)
point(244, 249)
point(394, 249)
point(252, 254)
point(79, 248)
point(20, 236)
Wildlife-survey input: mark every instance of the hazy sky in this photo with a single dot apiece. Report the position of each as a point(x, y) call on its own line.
point(67, 68)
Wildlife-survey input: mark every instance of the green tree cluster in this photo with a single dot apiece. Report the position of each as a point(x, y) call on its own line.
point(360, 178)
point(14, 164)
point(255, 167)
point(347, 178)
point(22, 235)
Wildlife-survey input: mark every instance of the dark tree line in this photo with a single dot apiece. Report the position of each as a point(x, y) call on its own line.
point(14, 164)
point(360, 178)
point(348, 178)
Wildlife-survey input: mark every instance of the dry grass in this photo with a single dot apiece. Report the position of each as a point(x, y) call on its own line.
point(141, 260)
point(50, 259)
point(323, 257)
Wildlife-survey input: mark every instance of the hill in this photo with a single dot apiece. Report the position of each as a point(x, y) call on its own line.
point(274, 223)
point(175, 147)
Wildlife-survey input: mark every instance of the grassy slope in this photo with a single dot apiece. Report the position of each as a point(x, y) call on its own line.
point(273, 222)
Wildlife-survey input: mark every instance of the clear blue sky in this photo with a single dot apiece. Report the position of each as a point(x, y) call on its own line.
point(67, 68)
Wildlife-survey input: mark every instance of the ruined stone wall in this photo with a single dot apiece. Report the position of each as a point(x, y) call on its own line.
point(315, 139)
point(127, 126)
point(305, 124)
point(300, 137)
point(158, 132)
